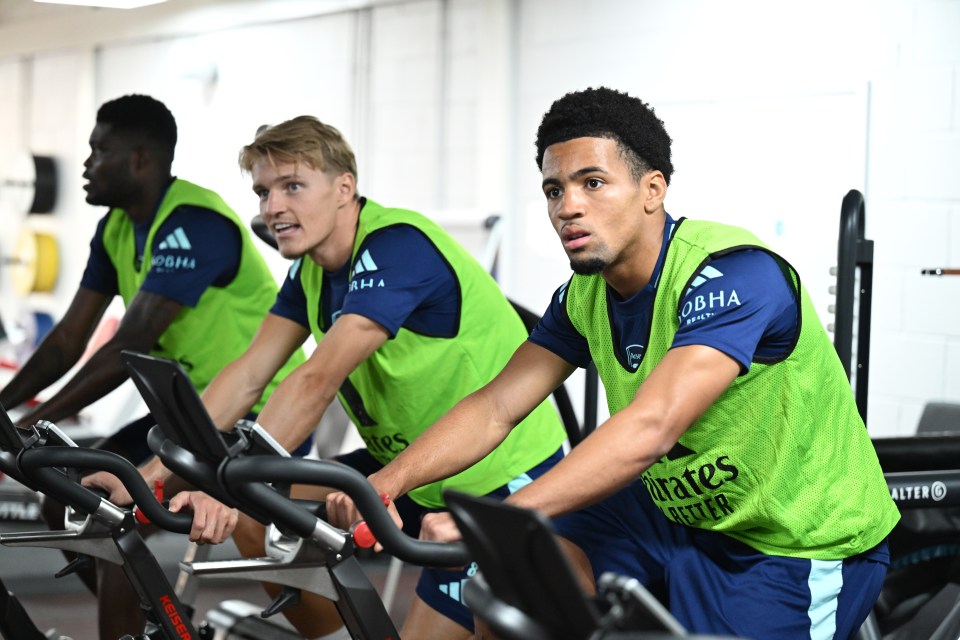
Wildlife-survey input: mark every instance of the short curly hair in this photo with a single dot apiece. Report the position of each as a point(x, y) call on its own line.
point(607, 113)
point(141, 115)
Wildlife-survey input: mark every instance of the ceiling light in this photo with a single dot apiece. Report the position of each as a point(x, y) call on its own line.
point(108, 4)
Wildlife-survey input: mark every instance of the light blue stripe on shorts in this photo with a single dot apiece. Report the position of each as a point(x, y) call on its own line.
point(825, 582)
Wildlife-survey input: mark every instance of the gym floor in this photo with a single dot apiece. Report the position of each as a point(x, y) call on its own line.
point(64, 603)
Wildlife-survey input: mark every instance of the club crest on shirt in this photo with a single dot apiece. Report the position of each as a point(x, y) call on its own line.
point(635, 354)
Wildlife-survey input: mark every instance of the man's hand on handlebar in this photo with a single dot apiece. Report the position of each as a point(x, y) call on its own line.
point(439, 527)
point(213, 521)
point(111, 484)
point(343, 513)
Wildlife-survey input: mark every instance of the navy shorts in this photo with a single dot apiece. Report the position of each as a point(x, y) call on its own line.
point(714, 584)
point(442, 589)
point(131, 440)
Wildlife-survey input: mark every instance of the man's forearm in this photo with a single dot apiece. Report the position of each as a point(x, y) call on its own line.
point(460, 439)
point(294, 410)
point(611, 458)
point(228, 397)
point(683, 386)
point(46, 366)
point(99, 376)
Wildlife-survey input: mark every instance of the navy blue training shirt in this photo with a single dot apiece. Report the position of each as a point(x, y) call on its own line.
point(740, 304)
point(193, 249)
point(401, 280)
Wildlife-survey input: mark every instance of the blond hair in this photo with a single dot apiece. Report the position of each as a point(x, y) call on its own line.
point(302, 139)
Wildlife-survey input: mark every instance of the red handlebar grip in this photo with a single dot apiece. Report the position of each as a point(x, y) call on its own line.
point(362, 536)
point(158, 494)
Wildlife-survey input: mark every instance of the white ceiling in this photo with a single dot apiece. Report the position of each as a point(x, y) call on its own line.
point(14, 11)
point(28, 27)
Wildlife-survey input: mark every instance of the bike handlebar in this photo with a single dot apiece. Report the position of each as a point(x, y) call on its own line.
point(38, 465)
point(198, 471)
point(245, 476)
point(8, 466)
point(927, 452)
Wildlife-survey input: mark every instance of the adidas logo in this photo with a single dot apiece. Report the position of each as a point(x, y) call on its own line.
point(708, 273)
point(177, 240)
point(364, 264)
point(455, 589)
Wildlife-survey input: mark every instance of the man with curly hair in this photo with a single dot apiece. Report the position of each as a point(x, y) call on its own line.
point(734, 477)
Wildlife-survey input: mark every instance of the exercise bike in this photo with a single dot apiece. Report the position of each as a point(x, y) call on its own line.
point(526, 590)
point(246, 469)
point(234, 468)
point(45, 459)
point(15, 622)
point(920, 599)
point(313, 556)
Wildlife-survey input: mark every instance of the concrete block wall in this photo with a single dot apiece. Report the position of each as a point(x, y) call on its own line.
point(913, 159)
point(776, 112)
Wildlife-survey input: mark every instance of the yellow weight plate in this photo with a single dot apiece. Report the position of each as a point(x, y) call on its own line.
point(37, 262)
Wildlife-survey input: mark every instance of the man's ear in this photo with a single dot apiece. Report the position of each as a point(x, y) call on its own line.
point(140, 159)
point(346, 186)
point(655, 188)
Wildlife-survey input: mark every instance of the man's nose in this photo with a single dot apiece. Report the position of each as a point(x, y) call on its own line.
point(272, 204)
point(571, 205)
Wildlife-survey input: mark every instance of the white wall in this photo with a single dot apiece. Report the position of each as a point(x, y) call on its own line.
point(776, 111)
point(914, 200)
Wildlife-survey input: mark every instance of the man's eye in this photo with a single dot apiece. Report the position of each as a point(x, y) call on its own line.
point(294, 186)
point(593, 183)
point(552, 193)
